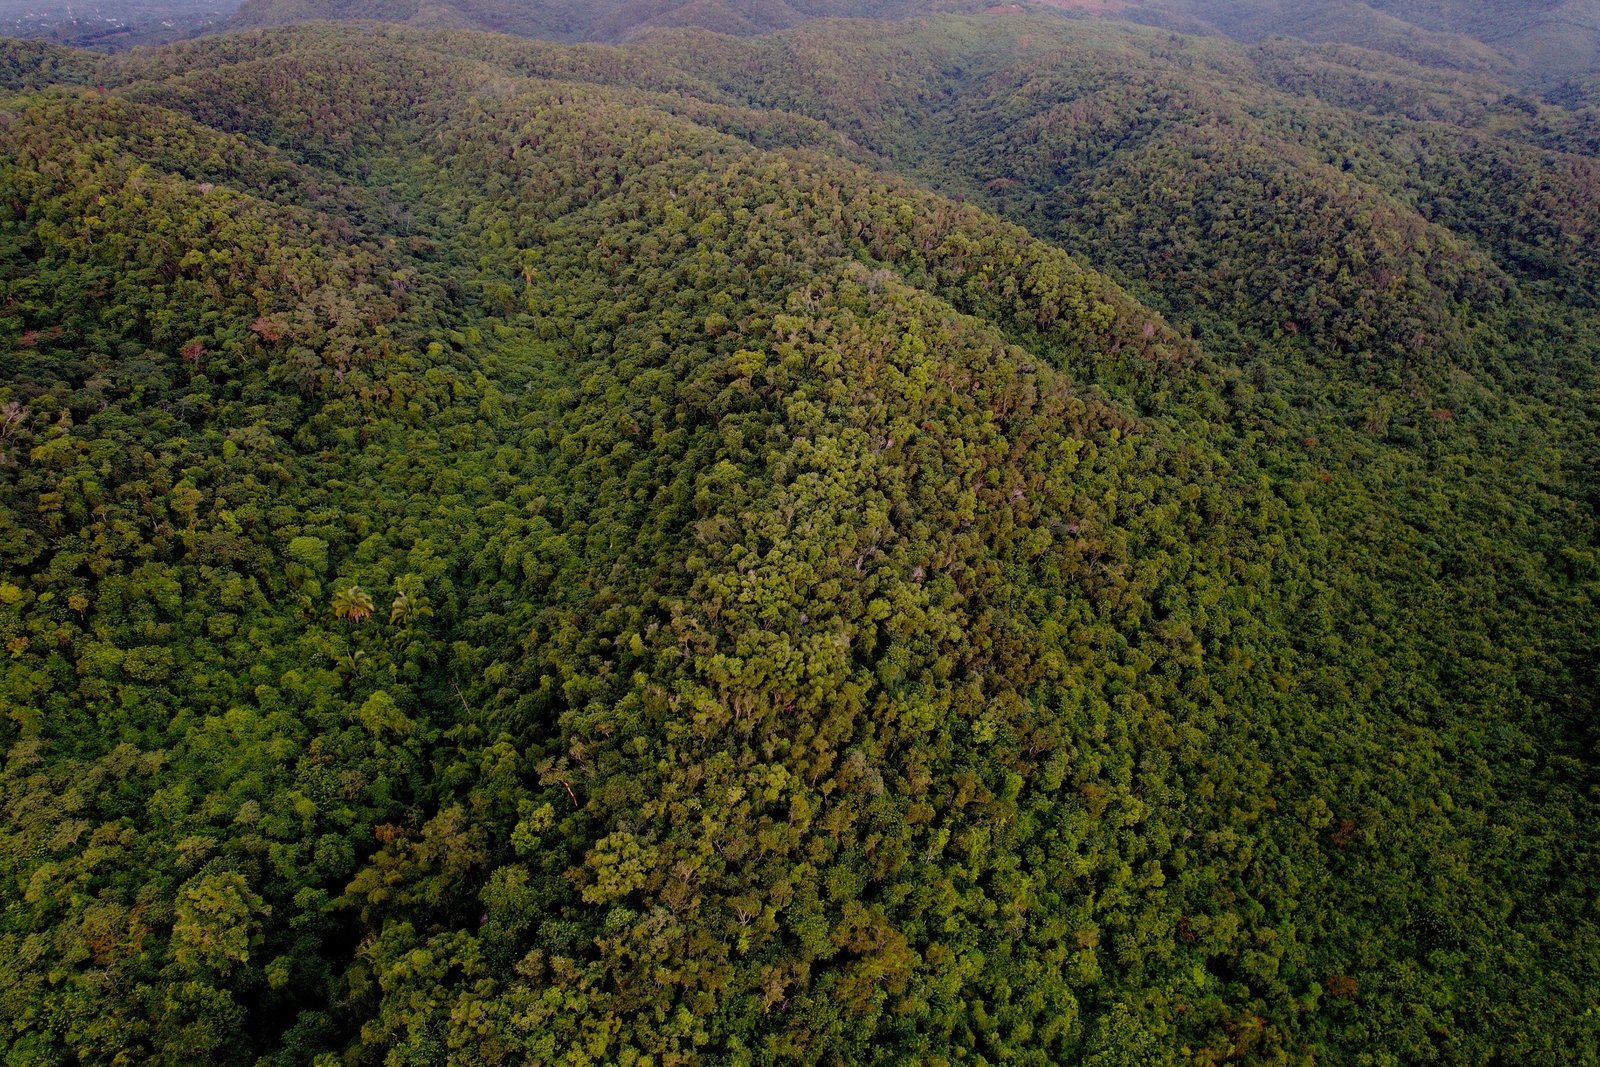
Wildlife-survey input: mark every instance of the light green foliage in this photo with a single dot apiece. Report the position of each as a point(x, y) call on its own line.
point(215, 916)
point(310, 552)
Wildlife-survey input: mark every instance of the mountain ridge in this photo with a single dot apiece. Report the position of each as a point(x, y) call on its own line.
point(1002, 539)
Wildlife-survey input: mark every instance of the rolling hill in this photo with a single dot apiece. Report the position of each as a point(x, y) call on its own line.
point(996, 538)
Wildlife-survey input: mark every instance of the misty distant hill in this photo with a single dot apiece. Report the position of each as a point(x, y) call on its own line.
point(604, 20)
point(1539, 42)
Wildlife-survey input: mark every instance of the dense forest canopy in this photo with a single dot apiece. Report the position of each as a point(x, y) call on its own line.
point(996, 538)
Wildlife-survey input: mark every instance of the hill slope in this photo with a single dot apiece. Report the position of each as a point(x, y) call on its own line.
point(516, 553)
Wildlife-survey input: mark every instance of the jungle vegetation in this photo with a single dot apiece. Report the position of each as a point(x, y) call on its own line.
point(992, 539)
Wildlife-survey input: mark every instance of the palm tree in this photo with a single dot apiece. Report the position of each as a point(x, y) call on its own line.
point(410, 605)
point(352, 604)
point(400, 611)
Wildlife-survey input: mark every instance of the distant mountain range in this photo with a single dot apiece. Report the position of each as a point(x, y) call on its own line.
point(1538, 39)
point(1541, 41)
point(604, 20)
point(1551, 45)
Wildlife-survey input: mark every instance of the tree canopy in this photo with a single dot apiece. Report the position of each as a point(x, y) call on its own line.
point(985, 540)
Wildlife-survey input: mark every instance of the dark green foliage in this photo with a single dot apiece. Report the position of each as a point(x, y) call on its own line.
point(34, 64)
point(522, 554)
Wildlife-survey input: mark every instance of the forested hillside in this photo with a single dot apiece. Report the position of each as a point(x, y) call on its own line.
point(981, 540)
